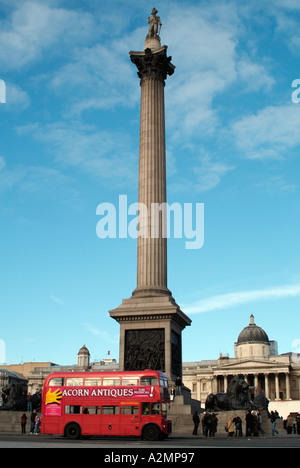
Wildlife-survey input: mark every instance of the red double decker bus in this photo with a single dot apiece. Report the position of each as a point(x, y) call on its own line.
point(76, 404)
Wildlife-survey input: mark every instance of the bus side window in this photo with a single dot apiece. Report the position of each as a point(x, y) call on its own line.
point(110, 410)
point(130, 410)
point(72, 409)
point(145, 409)
point(91, 410)
point(92, 382)
point(56, 382)
point(149, 380)
point(74, 382)
point(111, 382)
point(155, 408)
point(126, 382)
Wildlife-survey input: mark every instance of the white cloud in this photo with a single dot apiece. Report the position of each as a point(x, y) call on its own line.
point(36, 179)
point(100, 77)
point(99, 153)
point(225, 301)
point(56, 299)
point(205, 64)
point(34, 27)
point(254, 76)
point(104, 335)
point(209, 173)
point(275, 184)
point(209, 59)
point(270, 133)
point(16, 98)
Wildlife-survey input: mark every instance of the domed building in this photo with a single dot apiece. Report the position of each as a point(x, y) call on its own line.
point(253, 342)
point(83, 357)
point(256, 359)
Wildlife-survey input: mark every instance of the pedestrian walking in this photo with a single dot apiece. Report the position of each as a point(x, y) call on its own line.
point(196, 421)
point(273, 417)
point(23, 423)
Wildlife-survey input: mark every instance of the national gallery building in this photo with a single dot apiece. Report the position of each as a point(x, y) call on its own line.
point(256, 359)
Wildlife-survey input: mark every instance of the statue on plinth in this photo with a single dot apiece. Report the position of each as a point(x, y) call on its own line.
point(236, 398)
point(155, 24)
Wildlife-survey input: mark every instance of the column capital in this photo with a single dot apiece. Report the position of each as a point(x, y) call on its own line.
point(153, 64)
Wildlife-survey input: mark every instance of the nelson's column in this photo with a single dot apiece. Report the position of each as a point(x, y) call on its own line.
point(150, 321)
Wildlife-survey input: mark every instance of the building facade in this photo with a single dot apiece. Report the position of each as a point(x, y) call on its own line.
point(257, 360)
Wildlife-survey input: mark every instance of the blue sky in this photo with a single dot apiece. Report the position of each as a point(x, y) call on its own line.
point(69, 135)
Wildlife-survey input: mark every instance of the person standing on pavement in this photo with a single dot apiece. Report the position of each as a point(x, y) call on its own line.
point(230, 427)
point(273, 418)
point(32, 421)
point(178, 384)
point(23, 423)
point(196, 421)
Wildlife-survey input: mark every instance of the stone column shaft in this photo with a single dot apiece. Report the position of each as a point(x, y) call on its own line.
point(153, 69)
point(152, 251)
point(277, 394)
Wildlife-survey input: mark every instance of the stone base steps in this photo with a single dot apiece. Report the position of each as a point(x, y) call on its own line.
point(181, 415)
point(183, 423)
point(10, 421)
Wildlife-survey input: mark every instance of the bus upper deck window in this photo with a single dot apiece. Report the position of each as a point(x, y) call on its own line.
point(127, 382)
point(149, 380)
point(111, 382)
point(56, 382)
point(92, 382)
point(74, 382)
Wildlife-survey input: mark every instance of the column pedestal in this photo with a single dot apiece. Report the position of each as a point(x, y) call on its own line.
point(150, 334)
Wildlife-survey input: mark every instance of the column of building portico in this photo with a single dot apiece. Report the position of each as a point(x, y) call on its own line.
point(198, 389)
point(277, 394)
point(255, 381)
point(225, 383)
point(287, 385)
point(277, 387)
point(267, 386)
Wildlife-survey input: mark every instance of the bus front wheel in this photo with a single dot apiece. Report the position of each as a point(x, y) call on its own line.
point(73, 431)
point(151, 432)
